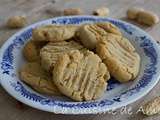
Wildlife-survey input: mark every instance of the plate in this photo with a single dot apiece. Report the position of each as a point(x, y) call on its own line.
point(116, 95)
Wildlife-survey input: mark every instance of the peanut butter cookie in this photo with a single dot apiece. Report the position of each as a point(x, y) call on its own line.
point(120, 57)
point(81, 76)
point(90, 34)
point(109, 28)
point(33, 74)
point(54, 33)
point(31, 50)
point(50, 53)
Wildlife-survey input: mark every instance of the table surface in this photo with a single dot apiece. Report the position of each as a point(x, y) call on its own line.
point(37, 10)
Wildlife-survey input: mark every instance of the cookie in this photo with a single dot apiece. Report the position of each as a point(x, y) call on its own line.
point(33, 74)
point(120, 57)
point(90, 34)
point(81, 76)
point(109, 28)
point(31, 50)
point(50, 53)
point(54, 33)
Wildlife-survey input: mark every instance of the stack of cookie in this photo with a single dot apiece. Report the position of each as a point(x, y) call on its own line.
point(77, 61)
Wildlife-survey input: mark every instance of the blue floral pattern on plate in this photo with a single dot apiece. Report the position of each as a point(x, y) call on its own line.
point(144, 42)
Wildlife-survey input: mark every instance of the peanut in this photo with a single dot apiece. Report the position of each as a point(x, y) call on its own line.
point(103, 11)
point(152, 107)
point(133, 12)
point(147, 18)
point(16, 21)
point(142, 16)
point(72, 11)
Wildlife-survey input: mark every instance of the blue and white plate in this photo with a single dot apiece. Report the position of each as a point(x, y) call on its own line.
point(116, 95)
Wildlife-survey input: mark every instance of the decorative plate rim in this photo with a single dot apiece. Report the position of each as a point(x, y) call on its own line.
point(93, 109)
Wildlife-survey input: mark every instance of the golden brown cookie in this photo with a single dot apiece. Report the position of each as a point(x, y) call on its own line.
point(50, 53)
point(54, 33)
point(109, 28)
point(119, 55)
point(33, 74)
point(81, 76)
point(31, 50)
point(90, 34)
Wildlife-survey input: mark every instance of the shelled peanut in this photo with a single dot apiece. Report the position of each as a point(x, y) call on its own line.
point(142, 16)
point(152, 107)
point(72, 11)
point(16, 21)
point(103, 11)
